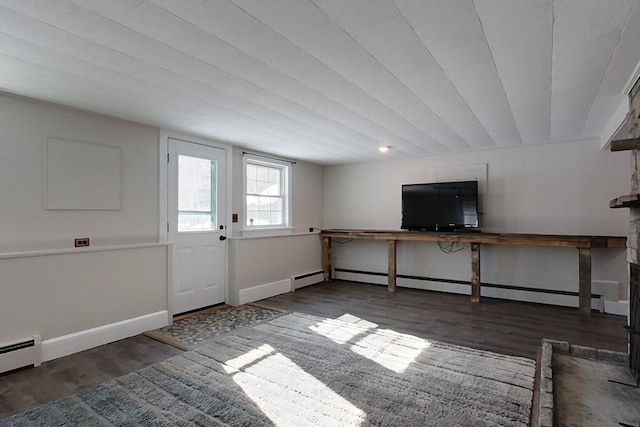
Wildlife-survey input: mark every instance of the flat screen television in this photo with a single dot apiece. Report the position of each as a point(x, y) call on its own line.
point(440, 206)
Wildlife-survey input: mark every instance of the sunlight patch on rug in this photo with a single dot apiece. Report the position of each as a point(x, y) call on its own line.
point(251, 368)
point(302, 370)
point(350, 318)
point(388, 348)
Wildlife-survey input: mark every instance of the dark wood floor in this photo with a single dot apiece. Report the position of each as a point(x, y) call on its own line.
point(508, 327)
point(27, 388)
point(497, 325)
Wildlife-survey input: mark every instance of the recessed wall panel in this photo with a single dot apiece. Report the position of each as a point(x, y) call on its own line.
point(82, 175)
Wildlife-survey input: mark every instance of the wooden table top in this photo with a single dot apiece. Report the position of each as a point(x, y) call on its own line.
point(574, 241)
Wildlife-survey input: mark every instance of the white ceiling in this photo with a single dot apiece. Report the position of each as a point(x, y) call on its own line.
point(331, 80)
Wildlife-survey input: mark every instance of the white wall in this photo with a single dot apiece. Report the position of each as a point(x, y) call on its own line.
point(259, 261)
point(547, 189)
point(110, 288)
point(72, 291)
point(25, 224)
point(262, 267)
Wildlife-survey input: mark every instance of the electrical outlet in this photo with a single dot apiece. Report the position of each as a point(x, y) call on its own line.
point(82, 241)
point(234, 217)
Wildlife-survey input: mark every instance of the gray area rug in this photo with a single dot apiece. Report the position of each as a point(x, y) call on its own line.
point(193, 331)
point(302, 370)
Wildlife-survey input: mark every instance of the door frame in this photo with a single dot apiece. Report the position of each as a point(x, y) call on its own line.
point(163, 205)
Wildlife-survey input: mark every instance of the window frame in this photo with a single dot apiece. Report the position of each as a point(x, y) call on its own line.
point(286, 196)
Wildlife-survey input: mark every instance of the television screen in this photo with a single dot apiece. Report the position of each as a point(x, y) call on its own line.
point(440, 206)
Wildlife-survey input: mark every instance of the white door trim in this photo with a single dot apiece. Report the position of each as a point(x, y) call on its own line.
point(163, 170)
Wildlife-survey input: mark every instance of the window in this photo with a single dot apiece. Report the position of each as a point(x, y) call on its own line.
point(196, 194)
point(267, 192)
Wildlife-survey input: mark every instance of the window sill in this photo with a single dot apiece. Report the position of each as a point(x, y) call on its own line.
point(267, 232)
point(274, 233)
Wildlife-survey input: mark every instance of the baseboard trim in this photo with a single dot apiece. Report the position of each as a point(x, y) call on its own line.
point(307, 279)
point(489, 290)
point(83, 340)
point(267, 290)
point(619, 308)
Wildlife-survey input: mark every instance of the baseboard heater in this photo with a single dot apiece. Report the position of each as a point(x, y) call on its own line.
point(302, 280)
point(466, 282)
point(18, 354)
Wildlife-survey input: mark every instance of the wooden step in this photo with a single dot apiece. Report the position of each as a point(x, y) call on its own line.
point(627, 201)
point(625, 144)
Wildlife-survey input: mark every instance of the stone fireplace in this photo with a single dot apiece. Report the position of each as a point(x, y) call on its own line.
point(631, 141)
point(634, 322)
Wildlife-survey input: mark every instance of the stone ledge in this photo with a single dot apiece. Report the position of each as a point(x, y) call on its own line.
point(584, 352)
point(561, 346)
point(545, 404)
point(609, 356)
point(613, 357)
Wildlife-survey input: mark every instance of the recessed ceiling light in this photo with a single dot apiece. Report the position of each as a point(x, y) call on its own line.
point(383, 148)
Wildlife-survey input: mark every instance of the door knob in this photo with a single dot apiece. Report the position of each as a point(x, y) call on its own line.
point(223, 237)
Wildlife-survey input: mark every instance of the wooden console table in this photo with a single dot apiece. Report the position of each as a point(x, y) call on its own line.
point(582, 243)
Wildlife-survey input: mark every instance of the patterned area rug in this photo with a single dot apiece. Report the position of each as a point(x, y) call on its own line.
point(301, 370)
point(193, 331)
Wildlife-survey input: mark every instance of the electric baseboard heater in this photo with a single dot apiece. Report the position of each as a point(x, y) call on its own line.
point(18, 354)
point(307, 279)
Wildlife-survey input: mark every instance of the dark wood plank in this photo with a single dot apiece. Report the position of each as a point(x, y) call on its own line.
point(393, 251)
point(625, 144)
point(627, 201)
point(24, 389)
point(570, 241)
point(616, 242)
point(584, 281)
point(475, 272)
point(509, 327)
point(326, 258)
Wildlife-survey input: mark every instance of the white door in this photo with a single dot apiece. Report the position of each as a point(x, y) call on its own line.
point(197, 229)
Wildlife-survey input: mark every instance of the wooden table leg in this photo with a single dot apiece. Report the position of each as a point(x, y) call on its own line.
point(475, 272)
point(392, 265)
point(584, 281)
point(326, 258)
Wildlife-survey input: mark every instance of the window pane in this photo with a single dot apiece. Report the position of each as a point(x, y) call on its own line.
point(252, 203)
point(275, 217)
point(194, 184)
point(274, 175)
point(263, 218)
point(196, 194)
point(262, 187)
point(263, 203)
point(263, 173)
point(274, 189)
point(251, 171)
point(276, 204)
point(251, 187)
